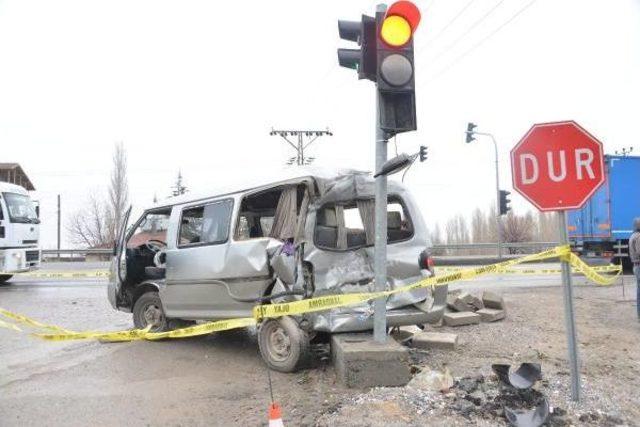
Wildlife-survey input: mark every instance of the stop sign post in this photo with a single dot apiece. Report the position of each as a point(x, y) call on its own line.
point(558, 166)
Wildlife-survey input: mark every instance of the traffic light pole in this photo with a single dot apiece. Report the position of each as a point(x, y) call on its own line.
point(498, 222)
point(380, 254)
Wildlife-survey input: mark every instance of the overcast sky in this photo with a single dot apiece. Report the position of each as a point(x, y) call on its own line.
point(197, 85)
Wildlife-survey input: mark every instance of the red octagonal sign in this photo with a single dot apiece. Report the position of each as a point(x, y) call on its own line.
point(557, 166)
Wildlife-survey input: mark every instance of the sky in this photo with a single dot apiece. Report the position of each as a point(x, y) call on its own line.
point(196, 86)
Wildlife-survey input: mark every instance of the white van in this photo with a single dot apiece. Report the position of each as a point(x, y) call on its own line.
point(306, 233)
point(19, 232)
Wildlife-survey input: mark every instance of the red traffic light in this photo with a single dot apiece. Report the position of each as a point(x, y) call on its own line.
point(399, 24)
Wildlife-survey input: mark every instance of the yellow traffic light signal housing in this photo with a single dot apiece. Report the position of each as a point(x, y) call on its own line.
point(396, 70)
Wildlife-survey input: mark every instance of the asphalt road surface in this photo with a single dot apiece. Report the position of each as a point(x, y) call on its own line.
point(214, 380)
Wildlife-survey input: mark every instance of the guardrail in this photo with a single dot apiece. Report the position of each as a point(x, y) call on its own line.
point(518, 245)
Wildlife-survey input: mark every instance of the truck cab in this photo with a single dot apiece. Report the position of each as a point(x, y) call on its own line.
point(19, 232)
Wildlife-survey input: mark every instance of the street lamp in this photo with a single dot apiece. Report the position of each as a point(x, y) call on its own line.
point(470, 133)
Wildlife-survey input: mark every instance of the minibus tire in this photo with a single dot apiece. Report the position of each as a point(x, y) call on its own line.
point(149, 304)
point(284, 346)
point(4, 278)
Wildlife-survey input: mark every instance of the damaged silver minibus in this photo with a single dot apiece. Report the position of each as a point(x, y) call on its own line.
point(306, 233)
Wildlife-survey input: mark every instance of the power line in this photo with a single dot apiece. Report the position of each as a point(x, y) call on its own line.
point(471, 28)
point(300, 145)
point(454, 19)
point(477, 45)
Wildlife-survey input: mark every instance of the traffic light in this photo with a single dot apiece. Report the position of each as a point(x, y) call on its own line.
point(504, 202)
point(364, 59)
point(423, 153)
point(470, 128)
point(395, 67)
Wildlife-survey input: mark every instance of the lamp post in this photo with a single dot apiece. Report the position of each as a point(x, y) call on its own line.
point(470, 133)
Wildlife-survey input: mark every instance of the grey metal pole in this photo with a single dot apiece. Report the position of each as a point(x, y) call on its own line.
point(59, 227)
point(498, 222)
point(569, 314)
point(380, 254)
point(499, 232)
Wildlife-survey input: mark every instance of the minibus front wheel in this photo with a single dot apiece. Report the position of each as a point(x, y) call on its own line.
point(284, 346)
point(148, 311)
point(4, 278)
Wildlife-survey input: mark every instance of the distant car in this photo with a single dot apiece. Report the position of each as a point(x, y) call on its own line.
point(305, 234)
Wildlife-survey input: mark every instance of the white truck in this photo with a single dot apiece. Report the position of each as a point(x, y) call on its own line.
point(19, 232)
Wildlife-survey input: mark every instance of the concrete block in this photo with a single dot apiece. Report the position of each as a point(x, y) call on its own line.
point(435, 340)
point(491, 314)
point(493, 300)
point(476, 303)
point(360, 362)
point(455, 304)
point(466, 298)
point(461, 319)
point(401, 336)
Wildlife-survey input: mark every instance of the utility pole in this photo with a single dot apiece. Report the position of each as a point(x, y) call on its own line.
point(58, 227)
point(300, 145)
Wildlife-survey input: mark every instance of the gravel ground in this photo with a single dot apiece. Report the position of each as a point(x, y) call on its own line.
point(608, 334)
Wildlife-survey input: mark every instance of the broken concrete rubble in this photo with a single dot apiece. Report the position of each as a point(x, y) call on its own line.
point(454, 303)
point(492, 300)
point(490, 314)
point(439, 340)
point(461, 319)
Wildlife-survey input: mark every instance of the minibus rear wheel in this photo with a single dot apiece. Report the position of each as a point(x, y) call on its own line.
point(4, 278)
point(148, 311)
point(284, 346)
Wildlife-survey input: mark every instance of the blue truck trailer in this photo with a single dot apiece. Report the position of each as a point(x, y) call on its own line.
point(604, 224)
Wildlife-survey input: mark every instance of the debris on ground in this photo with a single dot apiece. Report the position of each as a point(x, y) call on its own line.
point(490, 307)
point(461, 318)
point(476, 400)
point(432, 380)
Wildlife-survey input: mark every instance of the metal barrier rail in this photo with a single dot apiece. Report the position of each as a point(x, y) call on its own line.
point(519, 245)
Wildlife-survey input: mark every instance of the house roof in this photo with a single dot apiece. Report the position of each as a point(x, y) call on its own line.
point(14, 174)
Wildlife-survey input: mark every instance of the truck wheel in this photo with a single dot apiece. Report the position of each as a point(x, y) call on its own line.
point(148, 311)
point(4, 278)
point(283, 345)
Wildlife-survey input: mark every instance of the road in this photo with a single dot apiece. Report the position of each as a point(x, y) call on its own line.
point(214, 380)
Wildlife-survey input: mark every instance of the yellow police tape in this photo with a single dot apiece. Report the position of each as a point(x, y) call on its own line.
point(539, 271)
point(62, 274)
point(321, 303)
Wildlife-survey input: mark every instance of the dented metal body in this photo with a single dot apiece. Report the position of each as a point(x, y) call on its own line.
point(309, 250)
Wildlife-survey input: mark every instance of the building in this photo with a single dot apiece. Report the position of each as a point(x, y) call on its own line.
point(14, 174)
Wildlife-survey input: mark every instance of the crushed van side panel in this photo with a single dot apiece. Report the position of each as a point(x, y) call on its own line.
point(351, 271)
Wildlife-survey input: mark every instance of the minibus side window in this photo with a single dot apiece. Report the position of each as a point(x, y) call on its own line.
point(205, 225)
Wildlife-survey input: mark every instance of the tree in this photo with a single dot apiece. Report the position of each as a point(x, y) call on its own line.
point(518, 228)
point(435, 235)
point(178, 187)
point(97, 224)
point(456, 230)
point(547, 227)
point(118, 190)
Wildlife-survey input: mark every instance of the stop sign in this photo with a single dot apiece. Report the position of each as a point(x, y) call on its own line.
point(557, 166)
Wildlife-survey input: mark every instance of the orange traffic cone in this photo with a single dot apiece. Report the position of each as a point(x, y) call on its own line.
point(275, 415)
